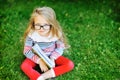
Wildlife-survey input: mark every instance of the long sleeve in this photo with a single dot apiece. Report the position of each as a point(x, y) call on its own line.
point(28, 52)
point(58, 50)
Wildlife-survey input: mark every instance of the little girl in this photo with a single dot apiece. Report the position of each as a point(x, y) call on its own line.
point(45, 30)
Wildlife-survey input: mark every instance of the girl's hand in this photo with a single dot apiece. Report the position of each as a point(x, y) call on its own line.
point(43, 66)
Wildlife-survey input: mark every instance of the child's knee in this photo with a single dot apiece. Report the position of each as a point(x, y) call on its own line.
point(23, 66)
point(70, 65)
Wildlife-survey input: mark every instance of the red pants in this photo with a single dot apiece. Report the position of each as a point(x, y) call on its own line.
point(63, 65)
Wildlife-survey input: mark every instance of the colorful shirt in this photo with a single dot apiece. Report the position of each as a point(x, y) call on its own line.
point(52, 47)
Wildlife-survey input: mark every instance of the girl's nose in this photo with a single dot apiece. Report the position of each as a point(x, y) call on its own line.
point(42, 29)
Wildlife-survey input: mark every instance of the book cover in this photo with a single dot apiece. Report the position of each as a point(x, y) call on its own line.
point(44, 57)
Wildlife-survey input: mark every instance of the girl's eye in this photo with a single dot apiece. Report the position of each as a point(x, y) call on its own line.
point(45, 27)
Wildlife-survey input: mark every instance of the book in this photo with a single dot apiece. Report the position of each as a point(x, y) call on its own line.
point(43, 56)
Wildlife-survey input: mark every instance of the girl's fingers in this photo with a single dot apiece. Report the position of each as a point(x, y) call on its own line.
point(44, 69)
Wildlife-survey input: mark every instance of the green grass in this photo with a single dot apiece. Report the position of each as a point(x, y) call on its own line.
point(93, 36)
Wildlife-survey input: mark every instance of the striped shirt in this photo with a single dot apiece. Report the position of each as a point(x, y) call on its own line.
point(51, 47)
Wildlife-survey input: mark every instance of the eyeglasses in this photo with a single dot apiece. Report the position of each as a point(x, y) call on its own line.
point(45, 26)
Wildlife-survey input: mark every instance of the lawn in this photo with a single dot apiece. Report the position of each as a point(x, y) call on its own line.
point(90, 26)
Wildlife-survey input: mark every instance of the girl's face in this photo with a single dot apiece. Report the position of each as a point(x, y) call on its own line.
point(41, 26)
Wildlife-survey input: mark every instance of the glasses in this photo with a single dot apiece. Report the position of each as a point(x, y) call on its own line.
point(45, 26)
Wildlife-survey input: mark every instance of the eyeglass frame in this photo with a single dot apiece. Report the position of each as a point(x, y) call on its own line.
point(42, 26)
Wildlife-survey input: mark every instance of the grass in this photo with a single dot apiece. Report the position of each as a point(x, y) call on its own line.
point(92, 33)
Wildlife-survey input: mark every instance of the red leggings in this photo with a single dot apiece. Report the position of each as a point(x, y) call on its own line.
point(63, 65)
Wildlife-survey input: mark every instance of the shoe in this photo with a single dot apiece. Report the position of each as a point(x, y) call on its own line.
point(51, 78)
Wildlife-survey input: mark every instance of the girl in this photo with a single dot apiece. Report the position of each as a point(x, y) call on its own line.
point(45, 30)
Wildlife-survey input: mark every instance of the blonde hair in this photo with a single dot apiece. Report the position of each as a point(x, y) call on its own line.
point(50, 16)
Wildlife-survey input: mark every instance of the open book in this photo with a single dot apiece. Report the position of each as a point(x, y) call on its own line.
point(42, 55)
